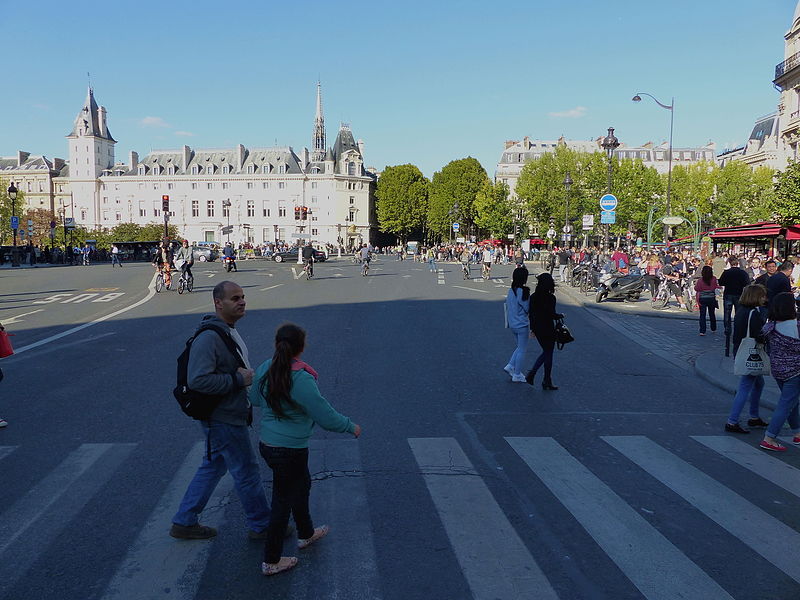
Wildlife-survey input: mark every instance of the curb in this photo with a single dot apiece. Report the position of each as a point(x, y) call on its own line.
point(710, 367)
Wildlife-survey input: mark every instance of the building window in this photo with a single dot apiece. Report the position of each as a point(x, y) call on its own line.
point(265, 169)
point(249, 185)
point(265, 210)
point(155, 186)
point(141, 170)
point(226, 169)
point(251, 208)
point(282, 169)
point(224, 186)
point(352, 199)
point(251, 169)
point(195, 170)
point(170, 186)
point(266, 234)
point(156, 210)
point(313, 185)
point(119, 217)
point(210, 170)
point(116, 187)
point(266, 185)
point(226, 210)
point(281, 185)
point(117, 200)
point(105, 199)
point(314, 199)
point(314, 232)
point(194, 186)
point(83, 215)
point(314, 218)
point(281, 211)
point(171, 171)
point(210, 208)
point(210, 186)
point(195, 208)
point(351, 168)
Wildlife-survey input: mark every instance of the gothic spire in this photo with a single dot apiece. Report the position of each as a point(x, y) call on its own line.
point(318, 139)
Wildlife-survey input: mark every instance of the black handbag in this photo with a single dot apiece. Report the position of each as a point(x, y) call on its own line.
point(563, 335)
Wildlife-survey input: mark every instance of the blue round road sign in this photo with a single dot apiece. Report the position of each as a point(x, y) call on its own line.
point(456, 226)
point(608, 202)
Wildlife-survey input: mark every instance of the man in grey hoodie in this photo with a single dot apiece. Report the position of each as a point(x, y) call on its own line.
point(214, 370)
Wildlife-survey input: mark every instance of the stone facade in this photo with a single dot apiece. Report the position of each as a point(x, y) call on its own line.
point(35, 177)
point(787, 81)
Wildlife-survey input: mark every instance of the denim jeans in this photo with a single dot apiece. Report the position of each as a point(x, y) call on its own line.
point(787, 407)
point(432, 264)
point(291, 486)
point(708, 306)
point(730, 304)
point(750, 387)
point(230, 451)
point(522, 335)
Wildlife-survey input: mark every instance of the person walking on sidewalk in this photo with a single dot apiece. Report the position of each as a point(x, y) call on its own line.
point(783, 344)
point(286, 389)
point(781, 281)
point(517, 307)
point(733, 280)
point(706, 288)
point(542, 316)
point(115, 256)
point(751, 311)
point(213, 369)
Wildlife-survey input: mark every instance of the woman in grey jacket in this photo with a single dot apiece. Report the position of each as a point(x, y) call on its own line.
point(517, 306)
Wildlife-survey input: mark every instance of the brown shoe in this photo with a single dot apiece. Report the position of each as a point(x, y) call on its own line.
point(192, 532)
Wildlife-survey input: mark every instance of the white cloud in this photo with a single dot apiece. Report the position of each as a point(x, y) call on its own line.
point(153, 122)
point(572, 113)
point(184, 133)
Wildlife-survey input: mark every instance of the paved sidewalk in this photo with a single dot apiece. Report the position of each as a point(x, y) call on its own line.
point(717, 369)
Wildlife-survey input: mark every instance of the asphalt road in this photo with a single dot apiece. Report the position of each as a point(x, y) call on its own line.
point(463, 485)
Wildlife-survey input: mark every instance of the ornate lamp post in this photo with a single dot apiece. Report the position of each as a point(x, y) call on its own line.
point(12, 193)
point(696, 227)
point(226, 207)
point(671, 109)
point(609, 144)
point(567, 229)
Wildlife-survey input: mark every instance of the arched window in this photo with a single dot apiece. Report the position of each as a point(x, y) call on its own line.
point(351, 168)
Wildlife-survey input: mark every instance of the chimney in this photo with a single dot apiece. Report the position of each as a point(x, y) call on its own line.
point(241, 154)
point(186, 156)
point(22, 157)
point(304, 160)
point(58, 164)
point(361, 148)
point(526, 143)
point(510, 143)
point(101, 121)
point(133, 160)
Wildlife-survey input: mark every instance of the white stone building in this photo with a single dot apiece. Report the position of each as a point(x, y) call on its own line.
point(34, 176)
point(787, 81)
point(266, 188)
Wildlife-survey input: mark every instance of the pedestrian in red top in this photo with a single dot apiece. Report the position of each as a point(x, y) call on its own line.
point(706, 288)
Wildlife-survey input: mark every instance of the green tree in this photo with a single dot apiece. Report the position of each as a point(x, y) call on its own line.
point(402, 200)
point(457, 183)
point(787, 195)
point(126, 232)
point(153, 232)
point(494, 212)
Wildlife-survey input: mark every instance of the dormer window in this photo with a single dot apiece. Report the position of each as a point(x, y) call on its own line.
point(171, 171)
point(265, 169)
point(141, 170)
point(210, 170)
point(195, 170)
point(251, 169)
point(351, 168)
point(226, 169)
point(154, 170)
point(282, 169)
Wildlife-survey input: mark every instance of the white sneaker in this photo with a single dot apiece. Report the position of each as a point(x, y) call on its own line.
point(518, 378)
point(509, 369)
point(3, 422)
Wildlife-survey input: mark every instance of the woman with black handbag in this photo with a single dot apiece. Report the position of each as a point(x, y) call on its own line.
point(542, 317)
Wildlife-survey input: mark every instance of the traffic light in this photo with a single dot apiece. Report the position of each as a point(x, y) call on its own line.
point(305, 213)
point(165, 203)
point(296, 213)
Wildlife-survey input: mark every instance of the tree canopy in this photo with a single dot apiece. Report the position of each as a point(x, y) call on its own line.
point(458, 183)
point(402, 200)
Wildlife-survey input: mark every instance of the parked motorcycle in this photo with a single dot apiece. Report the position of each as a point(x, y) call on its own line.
point(617, 285)
point(227, 263)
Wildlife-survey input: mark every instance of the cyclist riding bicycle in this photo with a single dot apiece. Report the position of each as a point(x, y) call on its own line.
point(308, 257)
point(364, 254)
point(487, 261)
point(185, 257)
point(162, 261)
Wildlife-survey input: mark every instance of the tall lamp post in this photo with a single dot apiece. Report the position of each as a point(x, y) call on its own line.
point(671, 109)
point(567, 229)
point(226, 206)
point(12, 193)
point(609, 144)
point(696, 227)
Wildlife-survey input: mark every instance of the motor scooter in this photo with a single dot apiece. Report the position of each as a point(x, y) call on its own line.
point(618, 285)
point(227, 263)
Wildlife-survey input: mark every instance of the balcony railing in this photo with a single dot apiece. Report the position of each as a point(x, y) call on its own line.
point(787, 65)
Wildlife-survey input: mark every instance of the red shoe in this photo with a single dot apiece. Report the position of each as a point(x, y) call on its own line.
point(796, 440)
point(773, 447)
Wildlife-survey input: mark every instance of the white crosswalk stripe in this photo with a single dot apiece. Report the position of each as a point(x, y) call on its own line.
point(772, 539)
point(55, 500)
point(483, 539)
point(628, 539)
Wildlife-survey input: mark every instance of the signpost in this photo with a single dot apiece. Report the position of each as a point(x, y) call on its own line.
point(608, 202)
point(608, 217)
point(608, 205)
point(588, 222)
point(456, 226)
point(69, 223)
point(15, 223)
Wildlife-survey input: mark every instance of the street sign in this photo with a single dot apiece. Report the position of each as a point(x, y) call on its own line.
point(608, 217)
point(69, 223)
point(567, 229)
point(456, 226)
point(551, 232)
point(227, 229)
point(608, 202)
point(588, 222)
point(297, 235)
point(14, 222)
point(672, 220)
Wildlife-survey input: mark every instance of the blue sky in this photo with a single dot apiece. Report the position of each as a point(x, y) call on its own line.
point(420, 82)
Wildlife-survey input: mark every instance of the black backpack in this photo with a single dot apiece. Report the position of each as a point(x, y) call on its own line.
point(196, 404)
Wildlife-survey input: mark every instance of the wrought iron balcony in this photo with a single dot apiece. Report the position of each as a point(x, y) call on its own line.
point(786, 66)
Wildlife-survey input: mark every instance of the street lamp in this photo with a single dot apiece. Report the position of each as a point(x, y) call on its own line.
point(12, 193)
point(567, 229)
point(226, 206)
point(453, 214)
point(609, 144)
point(671, 109)
point(696, 227)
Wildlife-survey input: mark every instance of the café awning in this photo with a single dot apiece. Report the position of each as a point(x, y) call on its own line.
point(756, 230)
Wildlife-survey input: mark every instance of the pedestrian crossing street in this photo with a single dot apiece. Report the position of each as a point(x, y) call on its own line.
point(492, 547)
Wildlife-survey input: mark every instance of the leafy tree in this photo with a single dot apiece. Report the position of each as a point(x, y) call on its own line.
point(787, 195)
point(126, 232)
point(493, 209)
point(402, 195)
point(457, 183)
point(41, 218)
point(153, 232)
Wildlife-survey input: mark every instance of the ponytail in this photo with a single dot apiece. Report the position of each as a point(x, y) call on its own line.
point(276, 385)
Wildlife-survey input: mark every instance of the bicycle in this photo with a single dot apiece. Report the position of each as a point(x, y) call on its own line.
point(185, 283)
point(486, 270)
point(308, 268)
point(365, 268)
point(163, 282)
point(465, 269)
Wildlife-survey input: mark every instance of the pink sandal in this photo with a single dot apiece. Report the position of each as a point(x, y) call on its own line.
point(284, 564)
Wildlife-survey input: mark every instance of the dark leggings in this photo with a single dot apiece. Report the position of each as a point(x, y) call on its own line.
point(709, 306)
point(291, 486)
point(545, 358)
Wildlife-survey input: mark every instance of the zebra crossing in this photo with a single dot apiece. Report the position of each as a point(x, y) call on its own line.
point(491, 546)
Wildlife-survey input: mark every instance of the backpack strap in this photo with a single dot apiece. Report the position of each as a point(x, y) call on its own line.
point(230, 343)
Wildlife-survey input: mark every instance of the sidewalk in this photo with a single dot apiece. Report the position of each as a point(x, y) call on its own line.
point(717, 369)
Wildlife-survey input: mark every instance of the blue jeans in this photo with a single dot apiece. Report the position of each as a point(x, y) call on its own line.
point(787, 407)
point(750, 387)
point(709, 307)
point(730, 304)
point(230, 451)
point(432, 264)
point(521, 335)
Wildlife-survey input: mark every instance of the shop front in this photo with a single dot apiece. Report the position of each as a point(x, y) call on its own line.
point(767, 238)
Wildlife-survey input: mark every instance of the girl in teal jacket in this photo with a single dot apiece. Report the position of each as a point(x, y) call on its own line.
point(286, 389)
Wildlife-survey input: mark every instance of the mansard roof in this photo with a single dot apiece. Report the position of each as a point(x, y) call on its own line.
point(89, 120)
point(274, 157)
point(218, 159)
point(344, 142)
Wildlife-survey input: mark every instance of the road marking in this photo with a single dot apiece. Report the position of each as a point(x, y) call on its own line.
point(210, 275)
point(405, 276)
point(159, 566)
point(101, 289)
point(58, 336)
point(296, 276)
point(32, 523)
point(623, 534)
point(79, 298)
point(759, 462)
point(18, 318)
point(441, 276)
point(461, 287)
point(6, 450)
point(772, 539)
point(338, 275)
point(270, 287)
point(481, 536)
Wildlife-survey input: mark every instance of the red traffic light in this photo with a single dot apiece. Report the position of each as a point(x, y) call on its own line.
point(165, 203)
point(305, 213)
point(296, 213)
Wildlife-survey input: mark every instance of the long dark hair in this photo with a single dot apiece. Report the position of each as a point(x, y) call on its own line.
point(276, 385)
point(518, 280)
point(782, 307)
point(544, 285)
point(706, 274)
